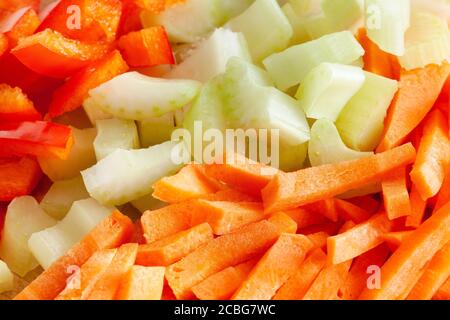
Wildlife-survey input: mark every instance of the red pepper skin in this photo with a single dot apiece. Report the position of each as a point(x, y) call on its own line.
point(2, 215)
point(4, 44)
point(15, 106)
point(39, 138)
point(19, 24)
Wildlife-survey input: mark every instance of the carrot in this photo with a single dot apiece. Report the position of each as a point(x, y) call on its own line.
point(395, 239)
point(358, 240)
point(395, 195)
point(319, 239)
point(433, 156)
point(325, 207)
point(138, 233)
point(305, 218)
point(284, 222)
point(218, 254)
point(231, 195)
point(173, 248)
point(367, 203)
point(278, 264)
point(443, 292)
point(418, 208)
point(297, 285)
point(291, 190)
point(443, 196)
point(222, 285)
point(399, 272)
point(360, 271)
point(243, 174)
point(418, 91)
point(107, 286)
point(142, 283)
point(109, 233)
point(189, 183)
point(330, 227)
point(349, 211)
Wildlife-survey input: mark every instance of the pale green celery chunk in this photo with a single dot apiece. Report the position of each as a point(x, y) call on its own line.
point(113, 134)
point(94, 111)
point(6, 278)
point(156, 130)
point(300, 33)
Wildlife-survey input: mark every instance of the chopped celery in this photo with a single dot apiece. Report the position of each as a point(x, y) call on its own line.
point(156, 130)
point(327, 88)
point(134, 96)
point(113, 134)
point(94, 112)
point(305, 7)
point(23, 218)
point(126, 175)
point(6, 278)
point(440, 8)
point(180, 114)
point(341, 14)
point(361, 122)
point(50, 244)
point(427, 41)
point(147, 203)
point(387, 22)
point(81, 156)
point(300, 33)
point(288, 68)
point(265, 27)
point(210, 57)
point(59, 198)
point(292, 157)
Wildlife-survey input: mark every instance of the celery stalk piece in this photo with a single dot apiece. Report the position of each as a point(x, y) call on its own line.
point(180, 114)
point(387, 22)
point(440, 8)
point(299, 31)
point(147, 203)
point(82, 156)
point(61, 195)
point(134, 96)
point(50, 244)
point(427, 41)
point(292, 157)
point(341, 14)
point(361, 122)
point(94, 111)
point(113, 134)
point(6, 278)
point(126, 175)
point(306, 7)
point(156, 130)
point(327, 88)
point(23, 218)
point(289, 68)
point(210, 57)
point(265, 27)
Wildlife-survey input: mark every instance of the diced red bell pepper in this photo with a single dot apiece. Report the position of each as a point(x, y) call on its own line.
point(96, 19)
point(4, 44)
point(71, 94)
point(39, 138)
point(130, 19)
point(21, 23)
point(146, 48)
point(155, 6)
point(3, 207)
point(15, 105)
point(51, 54)
point(9, 6)
point(19, 176)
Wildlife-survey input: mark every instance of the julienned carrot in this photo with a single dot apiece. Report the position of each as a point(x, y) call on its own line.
point(435, 275)
point(395, 195)
point(444, 195)
point(395, 239)
point(433, 156)
point(243, 174)
point(325, 207)
point(284, 222)
point(358, 240)
point(291, 190)
point(173, 248)
point(418, 208)
point(110, 233)
point(189, 183)
point(279, 263)
point(418, 91)
point(305, 218)
point(443, 292)
point(361, 270)
point(218, 254)
point(319, 239)
point(401, 269)
point(349, 211)
point(229, 194)
point(367, 203)
point(297, 285)
point(329, 227)
point(222, 285)
point(142, 283)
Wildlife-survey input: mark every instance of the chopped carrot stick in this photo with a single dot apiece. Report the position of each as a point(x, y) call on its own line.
point(231, 195)
point(138, 233)
point(218, 254)
point(401, 269)
point(418, 208)
point(358, 240)
point(433, 156)
point(367, 203)
point(326, 208)
point(418, 91)
point(305, 218)
point(278, 264)
point(319, 239)
point(443, 292)
point(284, 222)
point(412, 283)
point(444, 195)
point(142, 283)
point(173, 248)
point(297, 285)
point(349, 211)
point(395, 195)
point(330, 227)
point(291, 190)
point(109, 233)
point(395, 239)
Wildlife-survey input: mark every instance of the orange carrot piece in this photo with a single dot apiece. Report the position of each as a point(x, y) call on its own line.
point(109, 233)
point(349, 211)
point(418, 91)
point(367, 203)
point(444, 195)
point(395, 239)
point(142, 283)
point(138, 233)
point(358, 240)
point(231, 195)
point(400, 271)
point(284, 222)
point(218, 254)
point(395, 195)
point(433, 156)
point(279, 263)
point(443, 292)
point(418, 208)
point(305, 218)
point(326, 208)
point(173, 248)
point(189, 183)
point(297, 285)
point(291, 190)
point(330, 227)
point(319, 239)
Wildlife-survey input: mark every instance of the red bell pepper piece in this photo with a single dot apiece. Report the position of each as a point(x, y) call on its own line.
point(146, 48)
point(15, 105)
point(71, 94)
point(2, 215)
point(9, 6)
point(155, 6)
point(39, 138)
point(18, 177)
point(4, 44)
point(21, 23)
point(130, 19)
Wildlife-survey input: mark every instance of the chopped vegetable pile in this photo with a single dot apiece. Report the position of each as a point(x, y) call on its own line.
point(227, 149)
